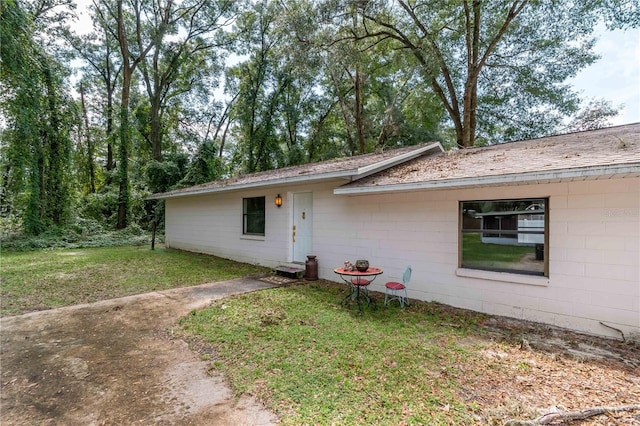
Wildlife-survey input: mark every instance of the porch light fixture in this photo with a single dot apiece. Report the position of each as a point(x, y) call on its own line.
point(278, 200)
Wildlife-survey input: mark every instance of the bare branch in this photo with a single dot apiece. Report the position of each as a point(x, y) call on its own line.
point(562, 417)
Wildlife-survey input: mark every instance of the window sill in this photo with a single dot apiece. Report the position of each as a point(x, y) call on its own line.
point(503, 277)
point(252, 237)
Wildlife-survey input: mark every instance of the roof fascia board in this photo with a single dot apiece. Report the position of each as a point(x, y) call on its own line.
point(351, 174)
point(394, 161)
point(509, 179)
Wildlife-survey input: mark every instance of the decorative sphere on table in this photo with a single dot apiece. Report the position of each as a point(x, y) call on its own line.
point(362, 265)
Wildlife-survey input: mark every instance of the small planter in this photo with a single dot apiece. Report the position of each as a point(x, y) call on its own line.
point(362, 265)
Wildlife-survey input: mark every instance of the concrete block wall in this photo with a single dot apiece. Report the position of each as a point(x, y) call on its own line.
point(594, 246)
point(594, 251)
point(213, 224)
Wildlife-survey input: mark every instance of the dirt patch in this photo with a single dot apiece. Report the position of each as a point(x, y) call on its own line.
point(113, 362)
point(529, 369)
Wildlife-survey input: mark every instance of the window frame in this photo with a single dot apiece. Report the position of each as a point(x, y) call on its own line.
point(246, 214)
point(524, 273)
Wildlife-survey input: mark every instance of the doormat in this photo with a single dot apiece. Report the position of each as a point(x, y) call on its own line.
point(278, 280)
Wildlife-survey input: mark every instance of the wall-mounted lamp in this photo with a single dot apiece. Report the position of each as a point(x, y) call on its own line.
point(278, 200)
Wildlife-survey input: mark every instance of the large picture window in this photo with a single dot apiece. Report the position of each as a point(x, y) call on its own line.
point(505, 235)
point(253, 216)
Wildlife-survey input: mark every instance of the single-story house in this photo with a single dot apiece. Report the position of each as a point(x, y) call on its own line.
point(576, 265)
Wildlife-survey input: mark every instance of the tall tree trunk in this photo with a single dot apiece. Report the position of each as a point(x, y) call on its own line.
point(224, 117)
point(224, 137)
point(123, 152)
point(90, 165)
point(110, 165)
point(358, 110)
point(129, 65)
point(123, 146)
point(470, 103)
point(156, 129)
point(111, 87)
point(357, 85)
point(34, 213)
point(55, 192)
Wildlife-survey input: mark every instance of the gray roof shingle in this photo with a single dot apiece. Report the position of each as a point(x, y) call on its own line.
point(613, 146)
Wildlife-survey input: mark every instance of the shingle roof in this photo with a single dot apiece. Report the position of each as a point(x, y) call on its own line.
point(341, 168)
point(600, 151)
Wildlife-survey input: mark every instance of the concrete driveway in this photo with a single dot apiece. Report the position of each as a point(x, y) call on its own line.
point(116, 362)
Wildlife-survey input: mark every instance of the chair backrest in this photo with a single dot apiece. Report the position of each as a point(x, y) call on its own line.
point(406, 277)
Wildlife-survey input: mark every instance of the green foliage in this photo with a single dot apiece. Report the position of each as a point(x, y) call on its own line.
point(10, 225)
point(100, 206)
point(594, 115)
point(619, 14)
point(161, 176)
point(39, 117)
point(81, 234)
point(205, 166)
point(499, 69)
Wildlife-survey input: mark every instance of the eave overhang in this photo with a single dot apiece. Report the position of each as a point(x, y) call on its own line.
point(528, 178)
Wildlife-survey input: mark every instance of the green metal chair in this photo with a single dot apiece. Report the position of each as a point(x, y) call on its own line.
point(398, 291)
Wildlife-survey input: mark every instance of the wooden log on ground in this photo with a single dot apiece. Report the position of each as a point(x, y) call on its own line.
point(561, 417)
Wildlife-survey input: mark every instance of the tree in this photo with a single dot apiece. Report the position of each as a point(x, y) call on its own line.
point(181, 56)
point(39, 117)
point(260, 85)
point(367, 95)
point(595, 115)
point(130, 61)
point(498, 67)
point(100, 51)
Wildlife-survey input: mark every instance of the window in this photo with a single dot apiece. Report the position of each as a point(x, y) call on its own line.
point(253, 216)
point(505, 235)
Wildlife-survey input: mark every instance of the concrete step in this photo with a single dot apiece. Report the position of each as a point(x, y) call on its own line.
point(290, 271)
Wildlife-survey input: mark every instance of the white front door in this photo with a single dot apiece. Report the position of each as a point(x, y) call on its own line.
point(302, 228)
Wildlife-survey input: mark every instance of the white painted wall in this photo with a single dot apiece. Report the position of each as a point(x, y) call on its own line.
point(594, 250)
point(213, 224)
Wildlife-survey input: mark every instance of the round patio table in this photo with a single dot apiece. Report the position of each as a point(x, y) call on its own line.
point(357, 280)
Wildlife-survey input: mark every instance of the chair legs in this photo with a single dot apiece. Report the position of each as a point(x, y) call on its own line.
point(392, 294)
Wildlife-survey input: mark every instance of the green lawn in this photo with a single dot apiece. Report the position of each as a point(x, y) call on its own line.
point(45, 279)
point(314, 361)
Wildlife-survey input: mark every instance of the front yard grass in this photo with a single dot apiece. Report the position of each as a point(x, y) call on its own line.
point(315, 361)
point(45, 279)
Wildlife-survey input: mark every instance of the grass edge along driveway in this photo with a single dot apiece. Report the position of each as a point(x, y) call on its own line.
point(46, 279)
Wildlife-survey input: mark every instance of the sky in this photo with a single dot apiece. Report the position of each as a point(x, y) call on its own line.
point(614, 77)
